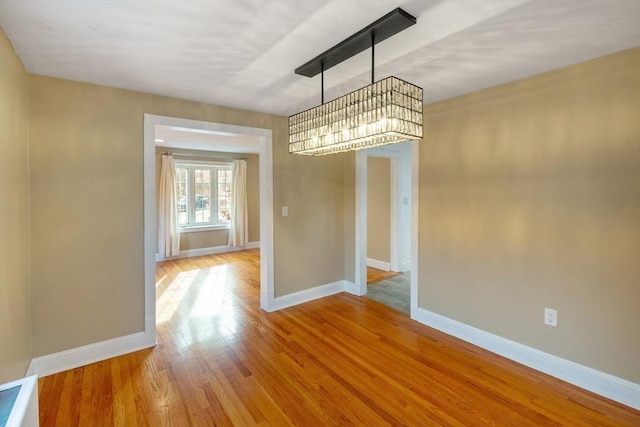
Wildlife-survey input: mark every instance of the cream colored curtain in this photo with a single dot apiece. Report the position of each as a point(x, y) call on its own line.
point(238, 226)
point(168, 225)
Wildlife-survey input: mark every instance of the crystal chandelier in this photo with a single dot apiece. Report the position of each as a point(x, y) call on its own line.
point(385, 112)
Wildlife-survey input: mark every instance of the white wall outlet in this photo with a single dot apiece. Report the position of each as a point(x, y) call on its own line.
point(285, 211)
point(551, 317)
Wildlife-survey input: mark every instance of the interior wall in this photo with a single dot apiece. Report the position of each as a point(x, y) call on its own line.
point(404, 204)
point(87, 222)
point(402, 155)
point(214, 238)
point(529, 199)
point(379, 209)
point(15, 298)
point(310, 239)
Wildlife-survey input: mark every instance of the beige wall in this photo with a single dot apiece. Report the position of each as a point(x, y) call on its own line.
point(529, 198)
point(253, 197)
point(215, 238)
point(310, 240)
point(379, 208)
point(86, 219)
point(15, 303)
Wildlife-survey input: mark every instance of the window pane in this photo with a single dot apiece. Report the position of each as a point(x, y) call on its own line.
point(224, 195)
point(202, 204)
point(182, 192)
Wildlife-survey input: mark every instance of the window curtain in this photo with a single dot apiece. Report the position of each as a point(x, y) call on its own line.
point(238, 226)
point(168, 225)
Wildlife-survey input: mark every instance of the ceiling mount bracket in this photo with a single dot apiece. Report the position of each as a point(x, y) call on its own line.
point(385, 27)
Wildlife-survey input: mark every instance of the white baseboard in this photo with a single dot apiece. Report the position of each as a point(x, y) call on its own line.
point(380, 265)
point(607, 385)
point(352, 288)
point(406, 266)
point(91, 353)
point(209, 251)
point(307, 295)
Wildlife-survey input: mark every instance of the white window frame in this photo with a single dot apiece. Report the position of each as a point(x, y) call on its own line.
point(191, 165)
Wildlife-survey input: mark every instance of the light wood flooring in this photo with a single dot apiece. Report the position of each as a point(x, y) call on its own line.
point(375, 275)
point(341, 360)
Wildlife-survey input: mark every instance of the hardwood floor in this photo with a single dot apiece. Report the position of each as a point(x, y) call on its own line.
point(375, 275)
point(341, 360)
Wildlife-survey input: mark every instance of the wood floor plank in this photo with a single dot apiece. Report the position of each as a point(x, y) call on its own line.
point(64, 407)
point(399, 403)
point(375, 275)
point(341, 360)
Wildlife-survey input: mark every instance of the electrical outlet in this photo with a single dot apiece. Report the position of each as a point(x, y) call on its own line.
point(551, 317)
point(285, 211)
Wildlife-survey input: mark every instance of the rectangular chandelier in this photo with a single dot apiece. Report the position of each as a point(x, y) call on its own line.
point(385, 112)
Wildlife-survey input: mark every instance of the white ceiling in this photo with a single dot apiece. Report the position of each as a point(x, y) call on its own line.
point(243, 53)
point(204, 140)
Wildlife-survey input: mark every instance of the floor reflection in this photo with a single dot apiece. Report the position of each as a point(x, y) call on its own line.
point(198, 305)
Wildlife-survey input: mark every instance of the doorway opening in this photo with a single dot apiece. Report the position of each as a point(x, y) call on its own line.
point(238, 139)
point(386, 225)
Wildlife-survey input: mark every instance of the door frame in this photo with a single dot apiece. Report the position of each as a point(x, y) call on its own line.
point(264, 145)
point(361, 219)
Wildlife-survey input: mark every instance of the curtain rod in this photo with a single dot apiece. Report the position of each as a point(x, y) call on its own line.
point(202, 156)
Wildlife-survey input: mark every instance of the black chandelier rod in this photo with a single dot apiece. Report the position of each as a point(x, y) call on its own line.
point(373, 55)
point(322, 83)
point(373, 66)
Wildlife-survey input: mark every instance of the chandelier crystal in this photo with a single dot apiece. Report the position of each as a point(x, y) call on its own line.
point(385, 112)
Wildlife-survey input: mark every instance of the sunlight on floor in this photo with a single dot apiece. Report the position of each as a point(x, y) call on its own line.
point(211, 297)
point(170, 299)
point(197, 305)
point(159, 282)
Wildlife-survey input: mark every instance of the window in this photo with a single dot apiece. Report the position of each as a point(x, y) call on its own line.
point(204, 195)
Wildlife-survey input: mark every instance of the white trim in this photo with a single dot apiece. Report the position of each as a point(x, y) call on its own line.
point(265, 170)
point(394, 239)
point(252, 245)
point(24, 412)
point(213, 250)
point(91, 353)
point(308, 295)
point(384, 153)
point(380, 265)
point(361, 224)
point(350, 287)
point(150, 227)
point(607, 385)
point(415, 215)
point(201, 228)
point(405, 267)
point(212, 163)
point(361, 218)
